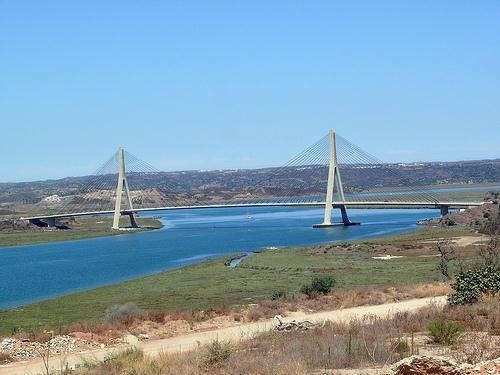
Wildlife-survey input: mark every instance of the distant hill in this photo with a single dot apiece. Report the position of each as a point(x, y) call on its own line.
point(253, 183)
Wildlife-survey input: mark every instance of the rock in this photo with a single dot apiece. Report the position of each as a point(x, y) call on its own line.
point(485, 368)
point(426, 365)
point(61, 344)
point(143, 336)
point(130, 339)
point(23, 349)
point(52, 199)
point(7, 345)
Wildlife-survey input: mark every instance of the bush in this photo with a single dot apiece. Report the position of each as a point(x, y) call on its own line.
point(444, 331)
point(5, 358)
point(127, 355)
point(118, 312)
point(401, 347)
point(157, 316)
point(448, 222)
point(491, 226)
point(215, 354)
point(277, 294)
point(469, 286)
point(253, 314)
point(318, 285)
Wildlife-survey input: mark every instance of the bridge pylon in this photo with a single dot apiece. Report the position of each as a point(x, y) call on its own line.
point(122, 185)
point(334, 181)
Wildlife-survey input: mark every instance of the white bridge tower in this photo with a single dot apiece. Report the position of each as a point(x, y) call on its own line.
point(122, 183)
point(334, 181)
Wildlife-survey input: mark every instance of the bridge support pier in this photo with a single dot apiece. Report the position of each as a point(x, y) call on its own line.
point(444, 209)
point(345, 220)
point(133, 220)
point(334, 180)
point(122, 185)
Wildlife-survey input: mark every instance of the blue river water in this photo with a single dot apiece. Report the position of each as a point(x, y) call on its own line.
point(37, 272)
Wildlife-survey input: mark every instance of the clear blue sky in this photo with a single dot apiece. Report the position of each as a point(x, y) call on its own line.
point(224, 84)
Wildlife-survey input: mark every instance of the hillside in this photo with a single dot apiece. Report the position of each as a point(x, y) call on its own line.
point(218, 185)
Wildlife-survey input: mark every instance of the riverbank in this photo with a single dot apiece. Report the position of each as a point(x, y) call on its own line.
point(211, 284)
point(78, 229)
point(50, 270)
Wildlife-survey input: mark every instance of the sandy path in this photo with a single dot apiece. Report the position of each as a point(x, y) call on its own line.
point(461, 241)
point(240, 332)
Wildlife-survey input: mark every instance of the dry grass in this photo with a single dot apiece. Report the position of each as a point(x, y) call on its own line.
point(34, 336)
point(430, 290)
point(157, 316)
point(482, 316)
point(367, 342)
point(5, 358)
point(352, 298)
point(476, 347)
point(110, 330)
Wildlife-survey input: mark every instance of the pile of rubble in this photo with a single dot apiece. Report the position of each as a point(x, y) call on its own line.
point(484, 368)
point(23, 349)
point(443, 366)
point(426, 365)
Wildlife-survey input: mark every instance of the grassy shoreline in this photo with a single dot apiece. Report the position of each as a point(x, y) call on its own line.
point(83, 228)
point(211, 284)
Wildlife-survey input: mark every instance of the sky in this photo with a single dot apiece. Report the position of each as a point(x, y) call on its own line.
point(243, 84)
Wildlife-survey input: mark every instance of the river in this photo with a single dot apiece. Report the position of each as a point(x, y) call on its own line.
point(37, 272)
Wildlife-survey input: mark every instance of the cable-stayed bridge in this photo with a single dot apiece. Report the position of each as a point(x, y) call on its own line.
point(332, 173)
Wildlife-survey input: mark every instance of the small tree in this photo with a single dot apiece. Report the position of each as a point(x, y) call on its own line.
point(490, 253)
point(447, 254)
point(491, 225)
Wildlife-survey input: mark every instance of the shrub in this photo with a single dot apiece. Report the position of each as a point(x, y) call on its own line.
point(307, 290)
point(469, 286)
point(401, 347)
point(215, 354)
point(318, 285)
point(118, 312)
point(157, 316)
point(277, 294)
point(253, 314)
point(448, 222)
point(444, 331)
point(127, 355)
point(492, 224)
point(5, 358)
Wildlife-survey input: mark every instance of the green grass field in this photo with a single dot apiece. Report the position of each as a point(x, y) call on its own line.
point(83, 228)
point(212, 284)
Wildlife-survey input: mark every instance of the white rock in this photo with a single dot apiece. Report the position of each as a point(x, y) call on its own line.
point(52, 199)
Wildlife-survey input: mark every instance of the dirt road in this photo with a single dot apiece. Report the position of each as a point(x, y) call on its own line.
point(461, 241)
point(236, 333)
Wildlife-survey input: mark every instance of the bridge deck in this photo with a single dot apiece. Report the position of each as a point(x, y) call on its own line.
point(367, 204)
